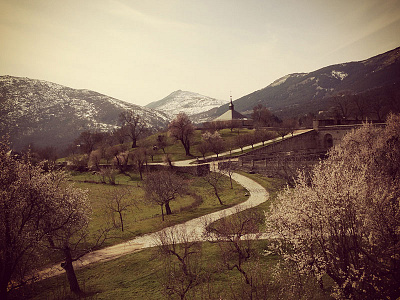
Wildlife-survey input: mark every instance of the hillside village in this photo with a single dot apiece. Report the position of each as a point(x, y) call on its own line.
point(250, 203)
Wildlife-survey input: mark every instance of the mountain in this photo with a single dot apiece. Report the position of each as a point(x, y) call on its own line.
point(300, 93)
point(49, 114)
point(188, 102)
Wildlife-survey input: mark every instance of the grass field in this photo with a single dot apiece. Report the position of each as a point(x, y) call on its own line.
point(142, 275)
point(142, 217)
point(138, 276)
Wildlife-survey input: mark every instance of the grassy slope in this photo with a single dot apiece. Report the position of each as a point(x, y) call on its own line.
point(176, 150)
point(137, 276)
point(143, 218)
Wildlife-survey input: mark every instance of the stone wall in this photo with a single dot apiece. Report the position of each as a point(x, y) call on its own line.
point(285, 157)
point(284, 165)
point(306, 143)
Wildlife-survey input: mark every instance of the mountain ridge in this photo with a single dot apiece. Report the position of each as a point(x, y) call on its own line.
point(49, 114)
point(184, 101)
point(299, 93)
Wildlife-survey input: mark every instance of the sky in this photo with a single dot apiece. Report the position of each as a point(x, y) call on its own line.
point(140, 51)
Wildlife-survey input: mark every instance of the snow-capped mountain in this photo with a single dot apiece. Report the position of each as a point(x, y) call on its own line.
point(300, 93)
point(49, 114)
point(188, 102)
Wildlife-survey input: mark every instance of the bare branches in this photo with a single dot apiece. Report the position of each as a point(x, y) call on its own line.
point(214, 179)
point(162, 187)
point(133, 124)
point(228, 168)
point(182, 263)
point(235, 236)
point(120, 201)
point(182, 129)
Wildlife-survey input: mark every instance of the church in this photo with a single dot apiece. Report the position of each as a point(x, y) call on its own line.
point(230, 115)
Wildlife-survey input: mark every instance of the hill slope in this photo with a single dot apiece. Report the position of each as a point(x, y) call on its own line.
point(48, 114)
point(300, 93)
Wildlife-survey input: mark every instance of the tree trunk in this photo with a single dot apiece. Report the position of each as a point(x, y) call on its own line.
point(4, 280)
point(216, 194)
point(122, 222)
point(7, 261)
point(187, 150)
point(168, 209)
point(69, 269)
point(134, 143)
point(162, 212)
point(187, 147)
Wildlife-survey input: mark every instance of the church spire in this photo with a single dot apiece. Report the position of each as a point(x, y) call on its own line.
point(231, 104)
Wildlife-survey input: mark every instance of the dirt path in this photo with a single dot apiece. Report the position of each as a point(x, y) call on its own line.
point(196, 227)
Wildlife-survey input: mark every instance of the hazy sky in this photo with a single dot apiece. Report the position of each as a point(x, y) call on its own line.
point(141, 51)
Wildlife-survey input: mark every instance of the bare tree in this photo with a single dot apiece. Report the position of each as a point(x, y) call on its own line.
point(291, 125)
point(232, 124)
point(235, 236)
point(133, 124)
point(262, 116)
point(181, 256)
point(203, 148)
point(342, 104)
point(118, 155)
point(230, 145)
point(108, 175)
point(162, 187)
point(88, 140)
point(250, 139)
point(214, 179)
point(343, 220)
point(283, 130)
point(120, 200)
point(167, 160)
point(240, 141)
point(263, 135)
point(139, 158)
point(119, 135)
point(182, 129)
point(121, 161)
point(228, 168)
point(360, 104)
point(214, 142)
point(162, 142)
point(288, 165)
point(95, 159)
point(74, 242)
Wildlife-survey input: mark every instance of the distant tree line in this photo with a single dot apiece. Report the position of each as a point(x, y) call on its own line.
point(375, 104)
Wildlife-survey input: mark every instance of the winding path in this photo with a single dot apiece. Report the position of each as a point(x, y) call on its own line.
point(196, 227)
